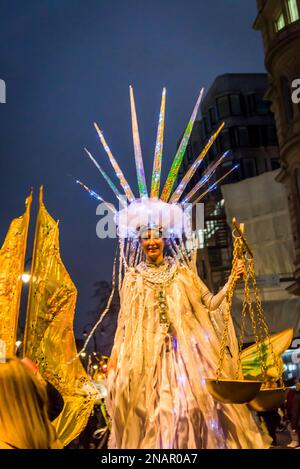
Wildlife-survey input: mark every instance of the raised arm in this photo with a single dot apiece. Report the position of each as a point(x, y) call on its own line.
point(211, 301)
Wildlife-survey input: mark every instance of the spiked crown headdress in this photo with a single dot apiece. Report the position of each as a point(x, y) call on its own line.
point(165, 209)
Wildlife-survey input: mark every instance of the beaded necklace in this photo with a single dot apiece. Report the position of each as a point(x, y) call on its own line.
point(160, 277)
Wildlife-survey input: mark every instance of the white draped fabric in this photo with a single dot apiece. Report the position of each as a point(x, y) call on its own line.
point(157, 395)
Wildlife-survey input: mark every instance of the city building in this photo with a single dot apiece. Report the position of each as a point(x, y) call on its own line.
point(250, 136)
point(279, 23)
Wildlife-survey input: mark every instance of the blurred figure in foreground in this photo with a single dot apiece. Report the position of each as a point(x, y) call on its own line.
point(295, 418)
point(24, 423)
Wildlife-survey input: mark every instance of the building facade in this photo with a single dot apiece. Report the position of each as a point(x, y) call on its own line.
point(250, 136)
point(279, 23)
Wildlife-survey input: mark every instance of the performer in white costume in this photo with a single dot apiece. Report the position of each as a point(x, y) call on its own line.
point(170, 326)
point(165, 346)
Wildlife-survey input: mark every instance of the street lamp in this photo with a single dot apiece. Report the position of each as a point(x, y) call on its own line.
point(26, 276)
point(18, 344)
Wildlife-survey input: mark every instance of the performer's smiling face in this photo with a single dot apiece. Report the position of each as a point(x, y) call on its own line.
point(153, 246)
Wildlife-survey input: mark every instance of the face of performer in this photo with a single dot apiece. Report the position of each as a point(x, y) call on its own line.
point(153, 247)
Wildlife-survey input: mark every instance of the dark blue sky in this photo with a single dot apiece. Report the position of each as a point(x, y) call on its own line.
point(67, 63)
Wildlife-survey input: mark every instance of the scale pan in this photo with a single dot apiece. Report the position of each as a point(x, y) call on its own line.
point(233, 391)
point(268, 399)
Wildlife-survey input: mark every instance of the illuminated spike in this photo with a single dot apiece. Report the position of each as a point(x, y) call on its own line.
point(206, 176)
point(191, 171)
point(180, 153)
point(155, 182)
point(137, 149)
point(107, 179)
point(115, 165)
point(215, 184)
point(95, 195)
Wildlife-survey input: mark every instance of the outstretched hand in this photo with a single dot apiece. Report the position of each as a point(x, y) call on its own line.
point(238, 271)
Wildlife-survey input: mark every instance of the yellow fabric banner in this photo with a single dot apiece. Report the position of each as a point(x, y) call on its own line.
point(49, 339)
point(272, 351)
point(12, 257)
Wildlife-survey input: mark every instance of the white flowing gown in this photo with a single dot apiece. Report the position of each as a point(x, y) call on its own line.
point(157, 395)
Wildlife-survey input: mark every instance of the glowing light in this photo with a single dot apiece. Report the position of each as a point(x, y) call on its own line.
point(107, 178)
point(155, 183)
point(95, 195)
point(214, 425)
point(115, 165)
point(191, 171)
point(215, 185)
point(83, 354)
point(182, 379)
point(26, 277)
point(180, 153)
point(18, 343)
point(208, 174)
point(137, 149)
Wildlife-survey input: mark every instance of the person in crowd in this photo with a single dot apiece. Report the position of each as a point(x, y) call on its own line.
point(295, 418)
point(272, 421)
point(24, 422)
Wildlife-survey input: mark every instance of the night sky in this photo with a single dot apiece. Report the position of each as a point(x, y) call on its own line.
point(67, 63)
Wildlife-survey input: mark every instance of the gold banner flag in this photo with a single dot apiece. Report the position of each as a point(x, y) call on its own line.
point(49, 339)
point(12, 257)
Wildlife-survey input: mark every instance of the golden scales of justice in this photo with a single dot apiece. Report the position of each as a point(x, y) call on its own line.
point(258, 378)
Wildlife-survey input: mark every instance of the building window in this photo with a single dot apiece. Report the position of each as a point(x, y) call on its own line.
point(235, 104)
point(225, 140)
point(212, 115)
point(243, 137)
point(202, 130)
point(262, 107)
point(275, 163)
point(271, 135)
point(255, 136)
point(208, 123)
point(279, 22)
point(204, 123)
point(287, 99)
point(223, 107)
point(189, 153)
point(249, 166)
point(293, 10)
